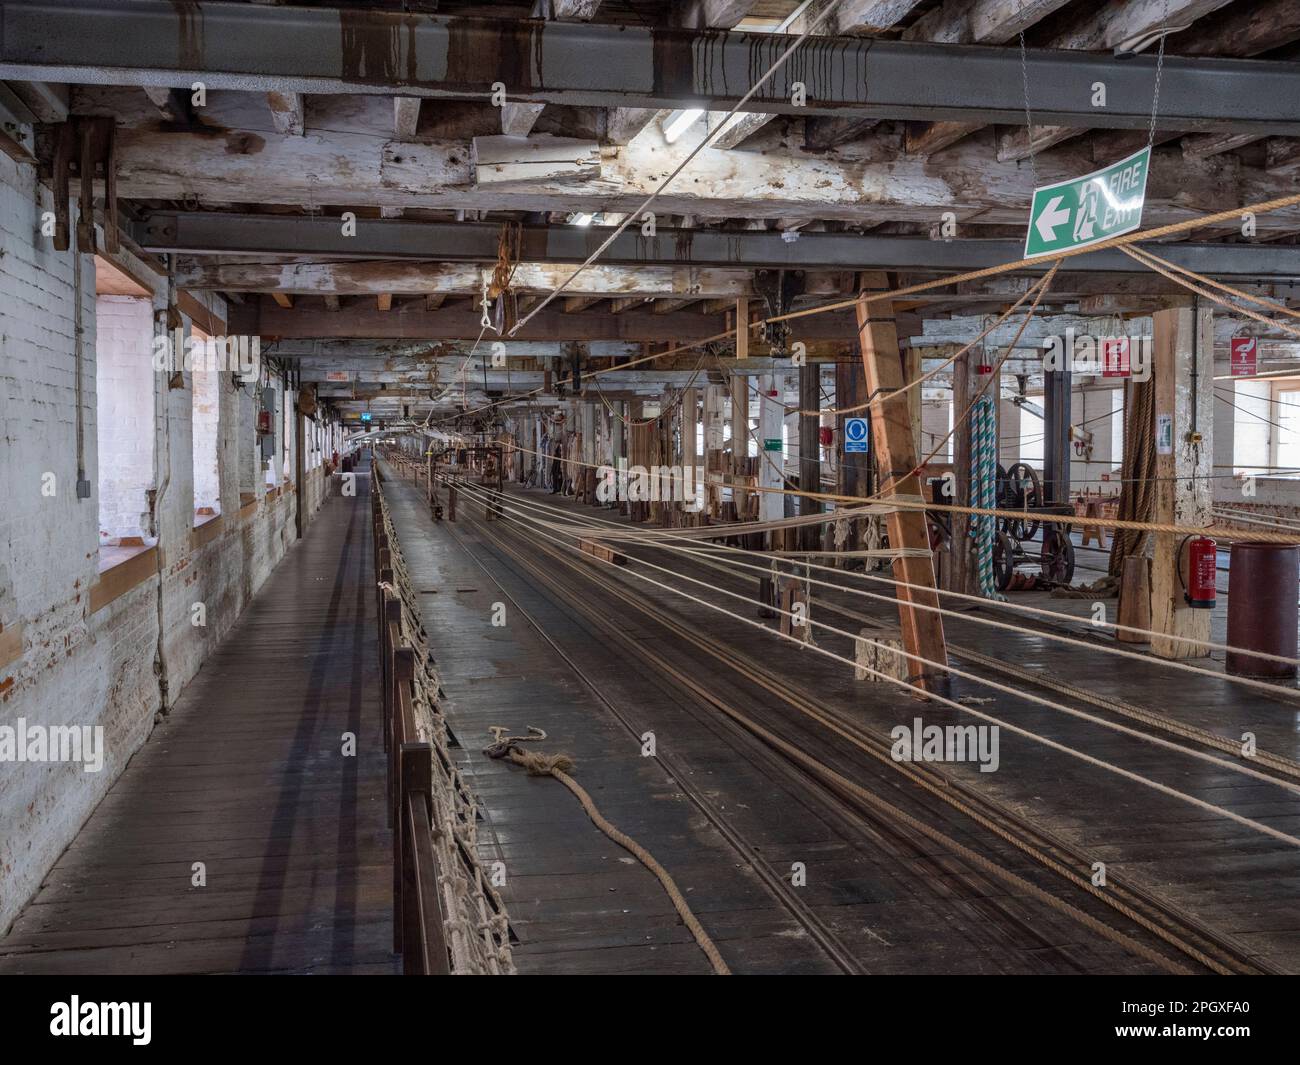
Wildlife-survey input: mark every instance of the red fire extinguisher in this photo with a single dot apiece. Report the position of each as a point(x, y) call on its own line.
point(1202, 565)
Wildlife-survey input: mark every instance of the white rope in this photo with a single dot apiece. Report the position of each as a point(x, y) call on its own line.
point(1015, 729)
point(655, 538)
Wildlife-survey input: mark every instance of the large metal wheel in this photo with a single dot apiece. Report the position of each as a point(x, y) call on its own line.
point(1004, 561)
point(1057, 556)
point(1021, 489)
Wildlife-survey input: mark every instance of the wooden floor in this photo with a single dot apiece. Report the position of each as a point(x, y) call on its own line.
point(579, 904)
point(246, 776)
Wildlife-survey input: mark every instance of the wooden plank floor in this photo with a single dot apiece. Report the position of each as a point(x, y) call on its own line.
point(578, 903)
point(247, 776)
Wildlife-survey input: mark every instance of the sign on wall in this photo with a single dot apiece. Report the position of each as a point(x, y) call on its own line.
point(1114, 358)
point(1245, 358)
point(855, 435)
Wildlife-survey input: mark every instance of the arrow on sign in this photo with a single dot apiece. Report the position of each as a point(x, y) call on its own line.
point(1051, 218)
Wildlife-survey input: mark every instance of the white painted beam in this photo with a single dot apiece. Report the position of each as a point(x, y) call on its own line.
point(406, 117)
point(286, 112)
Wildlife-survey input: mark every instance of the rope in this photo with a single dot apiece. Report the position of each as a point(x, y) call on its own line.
point(1193, 800)
point(661, 539)
point(975, 859)
point(560, 766)
point(983, 487)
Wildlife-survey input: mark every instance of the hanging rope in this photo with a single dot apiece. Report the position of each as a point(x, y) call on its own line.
point(983, 491)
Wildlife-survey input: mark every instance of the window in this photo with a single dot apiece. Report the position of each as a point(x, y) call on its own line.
point(1287, 449)
point(125, 380)
point(936, 423)
point(1032, 436)
point(1116, 427)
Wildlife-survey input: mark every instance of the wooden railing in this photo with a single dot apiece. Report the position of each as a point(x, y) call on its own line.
point(417, 915)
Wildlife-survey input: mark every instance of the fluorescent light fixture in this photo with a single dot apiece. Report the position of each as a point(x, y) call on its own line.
point(679, 122)
point(581, 219)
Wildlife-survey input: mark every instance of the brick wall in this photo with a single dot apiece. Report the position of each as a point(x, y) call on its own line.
point(121, 664)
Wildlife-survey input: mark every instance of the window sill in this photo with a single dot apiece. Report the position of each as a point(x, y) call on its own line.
point(206, 529)
point(120, 570)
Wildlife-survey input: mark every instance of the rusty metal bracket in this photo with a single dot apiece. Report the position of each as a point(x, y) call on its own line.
point(779, 289)
point(85, 146)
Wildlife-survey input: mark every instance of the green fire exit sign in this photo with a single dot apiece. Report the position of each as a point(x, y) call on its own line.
point(1089, 209)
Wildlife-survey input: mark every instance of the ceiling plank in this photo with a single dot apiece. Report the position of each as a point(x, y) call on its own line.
point(872, 16)
point(581, 10)
point(859, 186)
point(406, 117)
point(286, 112)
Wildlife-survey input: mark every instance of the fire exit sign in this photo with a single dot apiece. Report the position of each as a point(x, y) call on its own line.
point(1089, 209)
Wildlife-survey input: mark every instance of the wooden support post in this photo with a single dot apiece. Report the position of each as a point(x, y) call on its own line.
point(911, 371)
point(690, 447)
point(740, 440)
point(771, 463)
point(959, 572)
point(895, 441)
point(1183, 358)
point(810, 450)
point(713, 454)
point(742, 328)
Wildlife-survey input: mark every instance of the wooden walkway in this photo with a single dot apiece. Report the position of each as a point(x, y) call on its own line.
point(246, 776)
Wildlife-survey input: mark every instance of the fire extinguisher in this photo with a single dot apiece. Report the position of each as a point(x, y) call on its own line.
point(1202, 566)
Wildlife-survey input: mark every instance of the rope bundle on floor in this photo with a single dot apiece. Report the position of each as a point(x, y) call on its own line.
point(560, 766)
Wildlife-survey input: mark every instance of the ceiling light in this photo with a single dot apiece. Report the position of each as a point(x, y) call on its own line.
point(679, 122)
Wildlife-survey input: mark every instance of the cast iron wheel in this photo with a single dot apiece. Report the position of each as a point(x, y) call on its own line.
point(1057, 557)
point(1022, 489)
point(1004, 561)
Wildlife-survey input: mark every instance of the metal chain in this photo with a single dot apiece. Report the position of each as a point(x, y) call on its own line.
point(1029, 119)
point(1160, 65)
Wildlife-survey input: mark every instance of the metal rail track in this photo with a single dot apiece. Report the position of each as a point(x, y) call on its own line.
point(1199, 943)
point(1207, 946)
point(833, 947)
point(851, 813)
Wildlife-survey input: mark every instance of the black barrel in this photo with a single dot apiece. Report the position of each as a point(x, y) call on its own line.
point(1262, 582)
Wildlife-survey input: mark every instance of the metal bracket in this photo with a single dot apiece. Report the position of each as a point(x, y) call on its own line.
point(779, 289)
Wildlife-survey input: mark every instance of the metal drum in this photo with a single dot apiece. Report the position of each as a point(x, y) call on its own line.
point(1262, 607)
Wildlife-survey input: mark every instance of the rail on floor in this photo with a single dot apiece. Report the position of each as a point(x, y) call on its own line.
point(448, 916)
point(417, 914)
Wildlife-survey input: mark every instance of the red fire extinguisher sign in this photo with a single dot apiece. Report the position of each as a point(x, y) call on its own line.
point(1114, 358)
point(1244, 356)
point(1202, 566)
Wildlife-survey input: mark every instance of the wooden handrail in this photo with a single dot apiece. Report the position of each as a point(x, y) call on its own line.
point(417, 909)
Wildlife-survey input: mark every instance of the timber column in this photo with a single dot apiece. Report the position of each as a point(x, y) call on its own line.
point(896, 457)
point(1184, 384)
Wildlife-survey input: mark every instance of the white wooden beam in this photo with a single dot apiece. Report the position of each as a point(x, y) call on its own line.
point(979, 21)
point(518, 120)
point(286, 112)
point(859, 184)
point(574, 10)
point(872, 16)
point(1204, 145)
point(406, 117)
point(712, 14)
